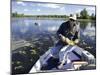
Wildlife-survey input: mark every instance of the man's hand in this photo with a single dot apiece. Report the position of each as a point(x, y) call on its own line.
point(67, 41)
point(71, 42)
point(62, 37)
point(60, 66)
point(76, 41)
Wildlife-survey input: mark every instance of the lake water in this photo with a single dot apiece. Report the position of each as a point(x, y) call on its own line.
point(26, 28)
point(22, 28)
point(41, 35)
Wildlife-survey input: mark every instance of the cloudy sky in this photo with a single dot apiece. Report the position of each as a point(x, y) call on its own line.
point(33, 8)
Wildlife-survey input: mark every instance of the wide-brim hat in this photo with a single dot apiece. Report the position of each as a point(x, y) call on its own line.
point(73, 17)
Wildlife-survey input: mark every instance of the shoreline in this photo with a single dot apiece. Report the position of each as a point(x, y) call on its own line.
point(54, 18)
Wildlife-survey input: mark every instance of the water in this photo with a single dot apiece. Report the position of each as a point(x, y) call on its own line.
point(43, 32)
point(38, 36)
point(26, 28)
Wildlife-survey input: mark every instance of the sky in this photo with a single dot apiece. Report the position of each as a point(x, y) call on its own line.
point(37, 8)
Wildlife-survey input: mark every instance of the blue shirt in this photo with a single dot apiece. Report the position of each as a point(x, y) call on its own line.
point(64, 30)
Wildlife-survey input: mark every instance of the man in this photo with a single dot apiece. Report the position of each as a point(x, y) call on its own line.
point(68, 34)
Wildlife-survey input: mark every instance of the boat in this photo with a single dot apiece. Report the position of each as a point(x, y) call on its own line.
point(76, 58)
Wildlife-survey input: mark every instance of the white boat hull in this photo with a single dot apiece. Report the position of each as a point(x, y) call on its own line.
point(74, 54)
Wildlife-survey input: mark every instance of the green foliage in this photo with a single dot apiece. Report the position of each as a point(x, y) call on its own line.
point(17, 15)
point(93, 16)
point(39, 16)
point(84, 14)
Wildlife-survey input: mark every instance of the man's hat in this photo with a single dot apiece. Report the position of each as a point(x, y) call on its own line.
point(73, 17)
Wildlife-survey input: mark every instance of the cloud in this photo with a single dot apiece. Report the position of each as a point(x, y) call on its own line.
point(35, 10)
point(21, 3)
point(38, 10)
point(91, 8)
point(50, 5)
point(78, 11)
point(62, 8)
point(25, 9)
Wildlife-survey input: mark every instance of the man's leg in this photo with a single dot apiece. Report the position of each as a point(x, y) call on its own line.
point(64, 56)
point(53, 61)
point(55, 50)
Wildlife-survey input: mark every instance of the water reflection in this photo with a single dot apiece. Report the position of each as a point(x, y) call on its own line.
point(89, 30)
point(83, 24)
point(24, 28)
point(37, 36)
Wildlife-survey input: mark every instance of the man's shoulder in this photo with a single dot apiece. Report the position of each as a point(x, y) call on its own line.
point(65, 23)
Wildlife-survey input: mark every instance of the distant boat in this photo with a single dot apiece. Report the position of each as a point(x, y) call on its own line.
point(37, 24)
point(76, 58)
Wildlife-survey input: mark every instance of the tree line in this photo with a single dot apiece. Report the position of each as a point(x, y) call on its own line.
point(82, 15)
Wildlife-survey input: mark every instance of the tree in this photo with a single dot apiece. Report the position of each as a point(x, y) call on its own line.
point(14, 14)
point(78, 15)
point(71, 15)
point(84, 14)
point(93, 16)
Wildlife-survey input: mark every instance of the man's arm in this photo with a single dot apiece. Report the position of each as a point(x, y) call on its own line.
point(71, 42)
point(76, 38)
point(66, 40)
point(60, 31)
point(76, 41)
